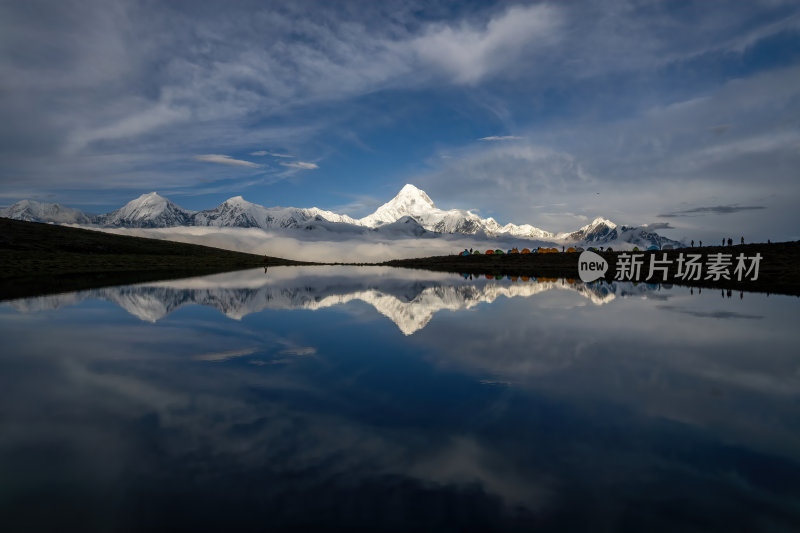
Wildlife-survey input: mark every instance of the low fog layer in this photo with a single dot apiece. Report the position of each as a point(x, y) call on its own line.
point(304, 247)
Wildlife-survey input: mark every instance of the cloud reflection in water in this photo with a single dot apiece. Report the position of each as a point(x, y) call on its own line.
point(558, 406)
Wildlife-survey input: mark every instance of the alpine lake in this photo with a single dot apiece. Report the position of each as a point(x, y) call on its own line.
point(381, 399)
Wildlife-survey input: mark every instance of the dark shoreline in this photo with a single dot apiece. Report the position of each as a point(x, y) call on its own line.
point(779, 270)
point(38, 259)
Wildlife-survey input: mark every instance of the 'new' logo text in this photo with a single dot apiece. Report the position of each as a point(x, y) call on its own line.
point(591, 266)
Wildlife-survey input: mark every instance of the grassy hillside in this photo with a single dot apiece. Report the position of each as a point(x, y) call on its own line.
point(44, 258)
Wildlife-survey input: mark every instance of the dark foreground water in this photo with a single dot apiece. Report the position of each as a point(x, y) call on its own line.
point(379, 399)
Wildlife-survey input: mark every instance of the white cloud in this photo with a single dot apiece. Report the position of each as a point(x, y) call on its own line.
point(501, 138)
point(301, 164)
point(224, 356)
point(137, 122)
point(469, 53)
point(225, 160)
point(273, 154)
point(505, 179)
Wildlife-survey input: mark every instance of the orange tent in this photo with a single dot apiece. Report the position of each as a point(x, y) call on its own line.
point(525, 251)
point(571, 250)
point(489, 252)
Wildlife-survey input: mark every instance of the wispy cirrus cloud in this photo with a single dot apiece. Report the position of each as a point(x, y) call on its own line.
point(502, 138)
point(301, 165)
point(711, 210)
point(469, 53)
point(520, 175)
point(273, 154)
point(226, 160)
point(224, 356)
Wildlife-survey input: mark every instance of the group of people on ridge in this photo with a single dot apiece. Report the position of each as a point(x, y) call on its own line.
point(730, 242)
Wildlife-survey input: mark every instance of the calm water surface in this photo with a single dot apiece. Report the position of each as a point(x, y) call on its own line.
point(383, 399)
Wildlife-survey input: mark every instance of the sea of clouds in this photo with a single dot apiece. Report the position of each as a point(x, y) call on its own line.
point(325, 247)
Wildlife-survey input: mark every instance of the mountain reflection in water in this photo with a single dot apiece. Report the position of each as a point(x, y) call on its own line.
point(521, 406)
point(408, 298)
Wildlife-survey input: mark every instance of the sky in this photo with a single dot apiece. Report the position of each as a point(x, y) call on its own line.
point(681, 115)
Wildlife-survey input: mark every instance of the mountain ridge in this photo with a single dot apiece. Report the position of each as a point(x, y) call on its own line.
point(411, 213)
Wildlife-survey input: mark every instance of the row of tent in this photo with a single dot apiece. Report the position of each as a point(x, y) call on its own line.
point(544, 250)
point(654, 248)
point(571, 281)
point(523, 251)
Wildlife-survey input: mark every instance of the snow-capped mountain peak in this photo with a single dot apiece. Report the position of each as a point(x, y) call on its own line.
point(410, 201)
point(413, 202)
point(237, 200)
point(599, 230)
point(34, 211)
point(599, 221)
point(151, 198)
point(410, 196)
point(148, 211)
point(233, 212)
point(144, 204)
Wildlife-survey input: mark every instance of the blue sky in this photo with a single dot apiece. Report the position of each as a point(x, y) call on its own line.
point(685, 115)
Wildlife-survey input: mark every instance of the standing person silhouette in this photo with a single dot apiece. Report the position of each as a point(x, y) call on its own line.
point(692, 243)
point(730, 241)
point(742, 239)
point(701, 244)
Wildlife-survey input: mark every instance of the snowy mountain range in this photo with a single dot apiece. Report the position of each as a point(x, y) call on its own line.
point(410, 213)
point(408, 300)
